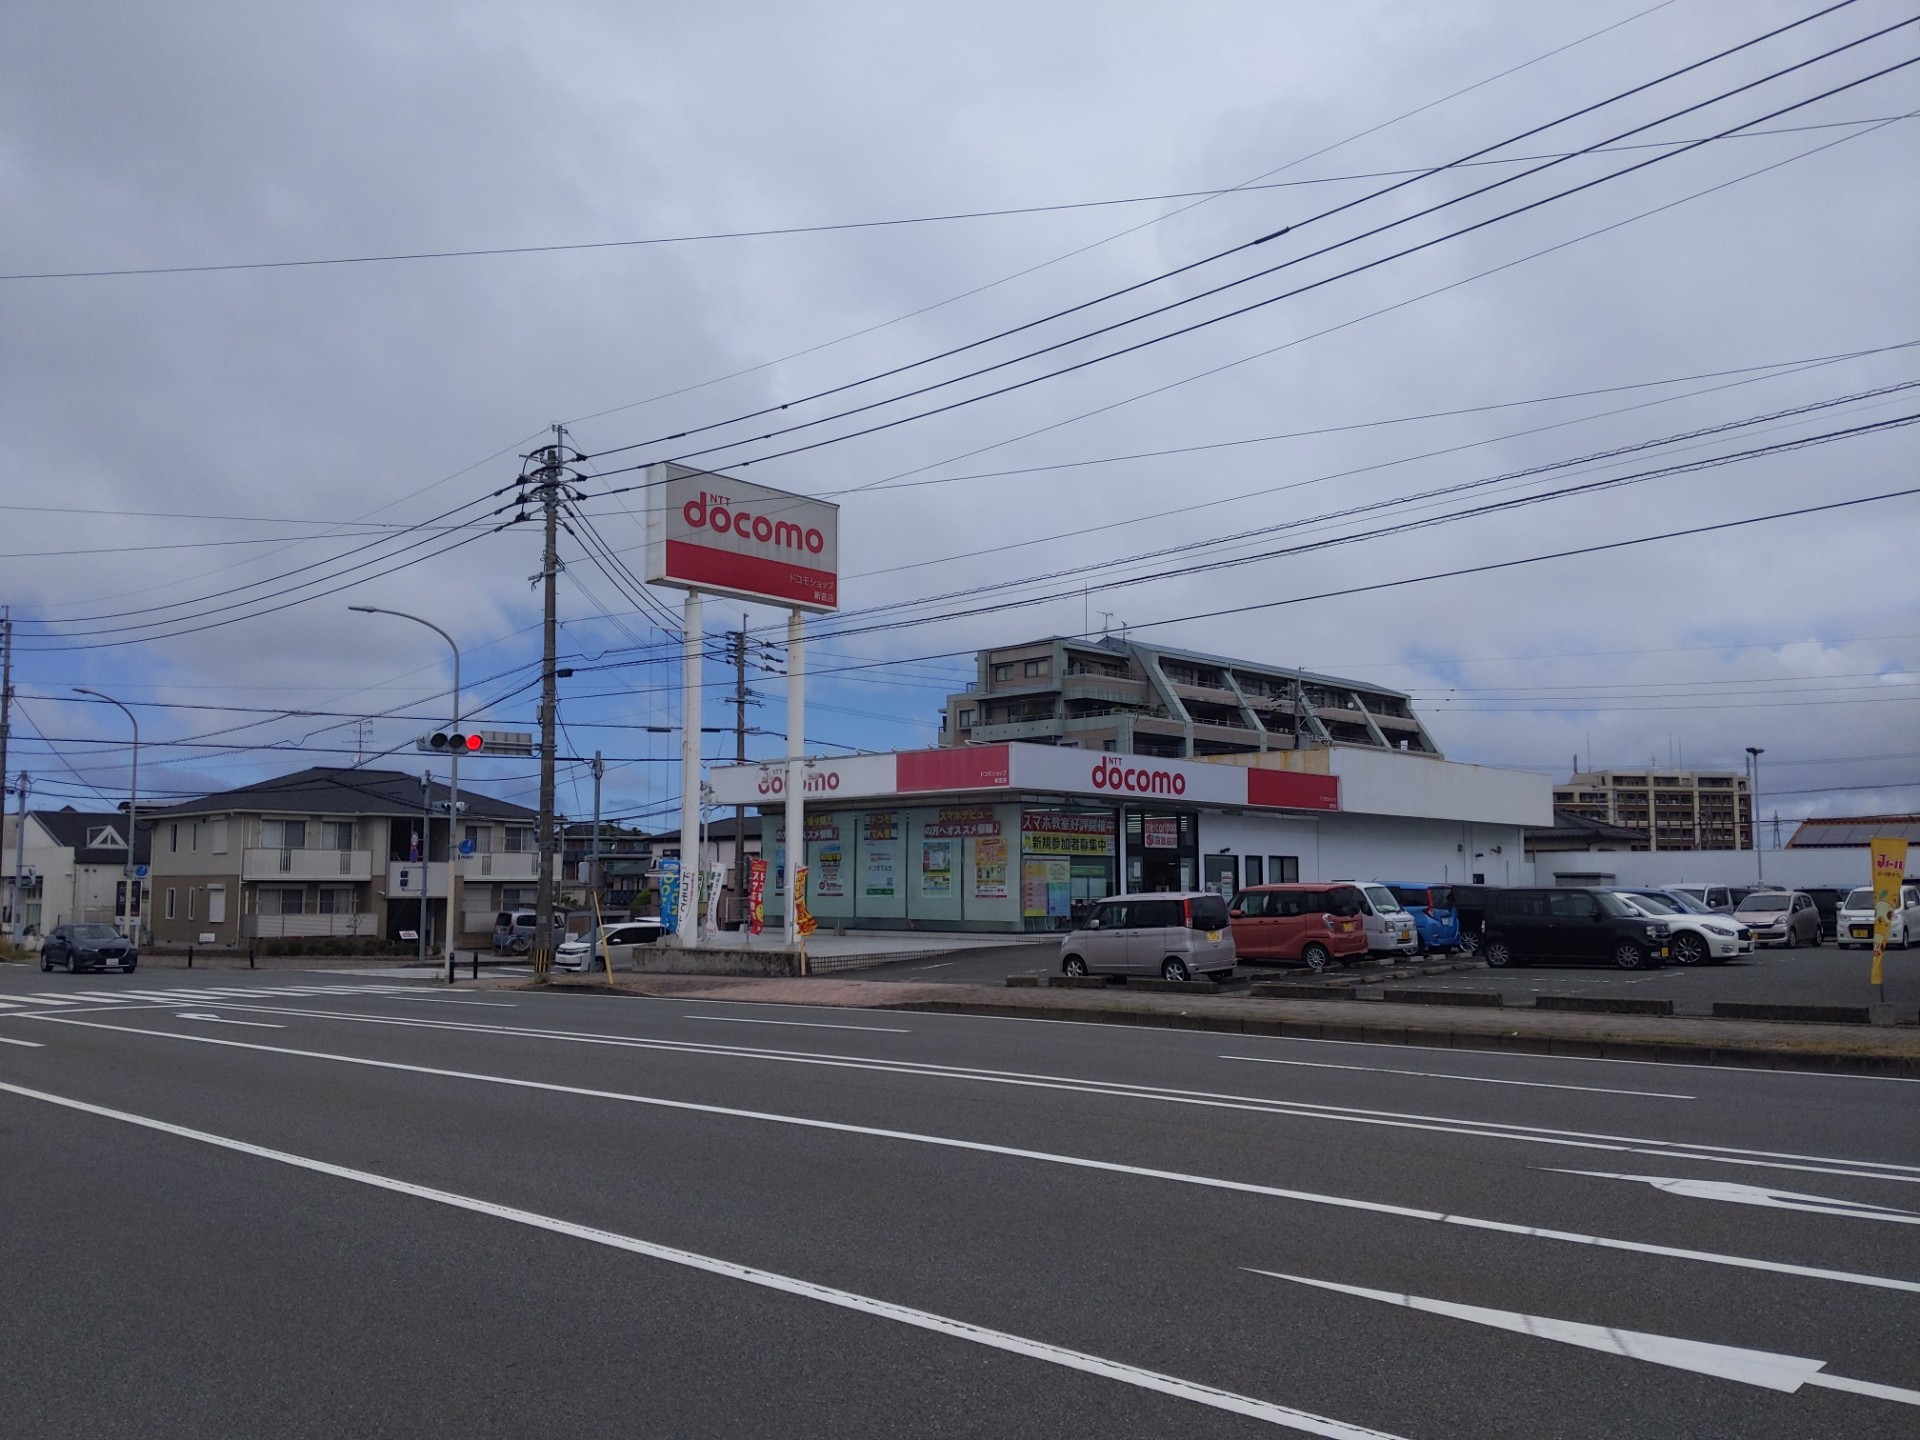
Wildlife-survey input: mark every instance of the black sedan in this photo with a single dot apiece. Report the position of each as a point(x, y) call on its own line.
point(88, 947)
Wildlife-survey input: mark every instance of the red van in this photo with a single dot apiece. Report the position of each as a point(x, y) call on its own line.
point(1309, 924)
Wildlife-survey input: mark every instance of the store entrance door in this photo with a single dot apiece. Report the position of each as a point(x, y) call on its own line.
point(1162, 852)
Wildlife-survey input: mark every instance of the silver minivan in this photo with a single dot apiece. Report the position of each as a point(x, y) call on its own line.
point(1174, 936)
point(1390, 929)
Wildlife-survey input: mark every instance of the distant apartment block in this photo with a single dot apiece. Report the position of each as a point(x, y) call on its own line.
point(1140, 699)
point(1667, 809)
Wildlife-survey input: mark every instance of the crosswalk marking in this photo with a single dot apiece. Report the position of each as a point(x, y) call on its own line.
point(210, 995)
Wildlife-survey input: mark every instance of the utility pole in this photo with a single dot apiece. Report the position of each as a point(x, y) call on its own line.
point(426, 854)
point(737, 644)
point(593, 862)
point(549, 486)
point(6, 731)
point(19, 851)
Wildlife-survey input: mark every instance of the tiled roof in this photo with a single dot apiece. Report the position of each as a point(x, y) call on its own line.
point(327, 790)
point(1854, 831)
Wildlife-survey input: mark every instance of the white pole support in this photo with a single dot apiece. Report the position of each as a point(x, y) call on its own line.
point(687, 926)
point(796, 786)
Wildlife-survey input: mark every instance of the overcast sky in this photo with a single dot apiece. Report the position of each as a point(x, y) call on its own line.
point(173, 438)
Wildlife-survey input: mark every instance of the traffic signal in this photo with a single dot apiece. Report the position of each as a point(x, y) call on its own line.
point(442, 742)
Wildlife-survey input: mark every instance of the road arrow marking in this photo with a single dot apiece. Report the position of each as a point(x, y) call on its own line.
point(223, 1020)
point(1785, 1373)
point(1737, 1194)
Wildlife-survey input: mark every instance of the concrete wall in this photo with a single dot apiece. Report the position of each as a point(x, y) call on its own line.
point(1386, 782)
point(1723, 867)
point(1373, 847)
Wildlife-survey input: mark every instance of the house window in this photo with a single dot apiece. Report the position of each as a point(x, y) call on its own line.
point(481, 837)
point(173, 839)
point(1255, 874)
point(966, 719)
point(510, 896)
point(170, 900)
point(1035, 669)
point(1003, 672)
point(337, 900)
point(219, 837)
point(193, 836)
point(192, 896)
point(280, 901)
point(1283, 869)
point(283, 834)
point(336, 835)
point(520, 840)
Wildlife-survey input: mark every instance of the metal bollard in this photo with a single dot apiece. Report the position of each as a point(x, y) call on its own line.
point(250, 945)
point(451, 957)
point(189, 957)
point(476, 964)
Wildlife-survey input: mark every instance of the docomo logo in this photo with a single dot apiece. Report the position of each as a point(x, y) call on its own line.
point(820, 782)
point(712, 513)
point(1112, 775)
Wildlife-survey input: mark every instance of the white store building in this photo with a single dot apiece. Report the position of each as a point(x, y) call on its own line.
point(1023, 837)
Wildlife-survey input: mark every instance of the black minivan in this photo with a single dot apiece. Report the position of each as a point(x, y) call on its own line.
point(1571, 926)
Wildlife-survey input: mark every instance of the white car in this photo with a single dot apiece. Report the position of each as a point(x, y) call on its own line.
point(1854, 920)
point(1700, 936)
point(582, 952)
point(1717, 898)
point(1390, 929)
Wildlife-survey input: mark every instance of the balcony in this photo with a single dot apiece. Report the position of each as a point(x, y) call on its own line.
point(268, 864)
point(513, 866)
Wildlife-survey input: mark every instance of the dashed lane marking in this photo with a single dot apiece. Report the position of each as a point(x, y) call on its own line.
point(1444, 1075)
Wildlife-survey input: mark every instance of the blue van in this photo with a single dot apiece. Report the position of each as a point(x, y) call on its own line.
point(1435, 920)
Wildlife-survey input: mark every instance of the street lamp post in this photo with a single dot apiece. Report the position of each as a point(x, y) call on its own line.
point(1754, 752)
point(453, 795)
point(134, 906)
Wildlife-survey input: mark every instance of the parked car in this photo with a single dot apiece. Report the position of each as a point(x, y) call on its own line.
point(1780, 917)
point(513, 931)
point(583, 952)
point(1435, 924)
point(1173, 936)
point(1718, 898)
point(1389, 927)
point(1699, 936)
point(1826, 899)
point(1581, 926)
point(1309, 924)
point(1856, 919)
point(88, 946)
point(1470, 906)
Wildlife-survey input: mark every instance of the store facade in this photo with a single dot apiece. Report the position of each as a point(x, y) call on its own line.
point(1024, 837)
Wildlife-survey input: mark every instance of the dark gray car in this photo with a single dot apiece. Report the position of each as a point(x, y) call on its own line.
point(88, 946)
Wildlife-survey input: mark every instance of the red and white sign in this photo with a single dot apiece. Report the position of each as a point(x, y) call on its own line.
point(723, 536)
point(1122, 779)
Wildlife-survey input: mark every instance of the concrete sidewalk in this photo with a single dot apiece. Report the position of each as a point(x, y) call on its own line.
point(1848, 1049)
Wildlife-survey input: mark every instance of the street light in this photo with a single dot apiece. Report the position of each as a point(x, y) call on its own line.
point(1754, 752)
point(133, 814)
point(453, 794)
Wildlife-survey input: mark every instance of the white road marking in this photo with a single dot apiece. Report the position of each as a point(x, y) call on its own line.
point(1342, 1202)
point(1785, 1373)
point(223, 1020)
point(1737, 1194)
point(436, 1000)
point(1207, 1395)
point(27, 1044)
point(1477, 1079)
point(1297, 1109)
point(46, 998)
point(802, 1024)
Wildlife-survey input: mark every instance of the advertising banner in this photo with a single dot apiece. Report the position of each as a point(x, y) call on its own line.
point(936, 868)
point(829, 859)
point(880, 839)
point(803, 922)
point(670, 892)
point(716, 884)
point(990, 867)
point(1160, 832)
point(1046, 888)
point(1051, 832)
point(962, 821)
point(756, 895)
point(724, 536)
point(1889, 870)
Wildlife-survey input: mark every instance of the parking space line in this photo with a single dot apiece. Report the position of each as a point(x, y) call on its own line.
point(1274, 1414)
point(25, 1044)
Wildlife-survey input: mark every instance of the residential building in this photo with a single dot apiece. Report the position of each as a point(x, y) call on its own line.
point(625, 857)
point(337, 852)
point(1574, 833)
point(73, 868)
point(1846, 831)
point(1667, 809)
point(1139, 699)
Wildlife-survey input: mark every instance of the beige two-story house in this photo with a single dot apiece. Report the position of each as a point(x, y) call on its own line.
point(335, 852)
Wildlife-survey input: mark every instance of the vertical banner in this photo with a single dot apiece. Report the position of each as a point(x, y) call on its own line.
point(803, 922)
point(670, 893)
point(716, 878)
point(756, 895)
point(1889, 872)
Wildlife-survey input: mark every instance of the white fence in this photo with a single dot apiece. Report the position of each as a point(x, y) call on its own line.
point(302, 927)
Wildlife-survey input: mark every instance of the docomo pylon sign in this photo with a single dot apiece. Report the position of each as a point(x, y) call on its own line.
point(723, 536)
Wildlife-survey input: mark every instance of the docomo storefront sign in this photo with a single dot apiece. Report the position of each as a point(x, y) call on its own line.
point(1115, 774)
point(853, 776)
point(720, 535)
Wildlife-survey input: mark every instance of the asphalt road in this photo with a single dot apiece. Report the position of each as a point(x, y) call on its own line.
point(329, 1206)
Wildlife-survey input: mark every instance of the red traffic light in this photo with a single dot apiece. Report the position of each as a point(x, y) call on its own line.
point(474, 742)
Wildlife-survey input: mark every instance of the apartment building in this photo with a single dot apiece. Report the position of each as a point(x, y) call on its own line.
point(329, 852)
point(1139, 699)
point(1666, 809)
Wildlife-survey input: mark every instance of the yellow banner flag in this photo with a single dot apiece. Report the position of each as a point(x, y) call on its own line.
point(803, 922)
point(1889, 872)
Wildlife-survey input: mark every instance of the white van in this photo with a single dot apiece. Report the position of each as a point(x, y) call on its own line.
point(1390, 929)
point(1717, 898)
